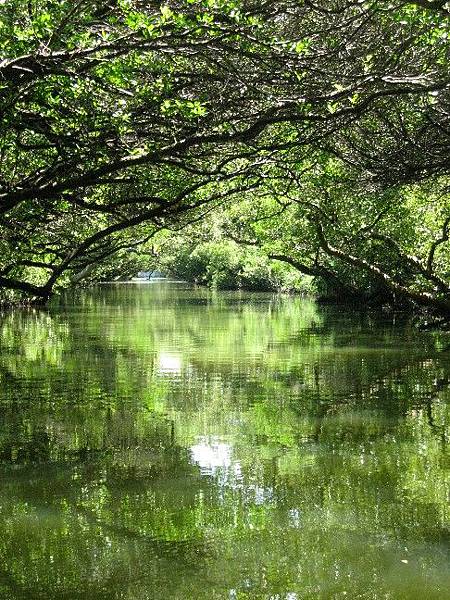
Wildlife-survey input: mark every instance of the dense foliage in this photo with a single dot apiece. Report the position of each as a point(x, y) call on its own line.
point(206, 255)
point(123, 119)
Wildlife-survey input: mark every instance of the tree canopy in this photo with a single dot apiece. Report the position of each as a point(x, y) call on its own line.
point(123, 119)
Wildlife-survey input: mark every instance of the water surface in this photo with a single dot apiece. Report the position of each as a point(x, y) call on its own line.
point(163, 442)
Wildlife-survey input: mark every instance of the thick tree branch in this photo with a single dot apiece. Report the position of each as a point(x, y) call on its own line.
point(434, 246)
point(421, 298)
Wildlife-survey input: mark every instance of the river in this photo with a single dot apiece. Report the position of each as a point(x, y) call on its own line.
point(163, 442)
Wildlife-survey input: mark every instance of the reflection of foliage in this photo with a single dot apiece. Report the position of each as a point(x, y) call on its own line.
point(321, 450)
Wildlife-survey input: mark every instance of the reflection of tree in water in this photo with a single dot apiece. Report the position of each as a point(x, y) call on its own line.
point(333, 434)
point(107, 516)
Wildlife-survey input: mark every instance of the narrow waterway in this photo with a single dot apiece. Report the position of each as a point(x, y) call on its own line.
point(163, 442)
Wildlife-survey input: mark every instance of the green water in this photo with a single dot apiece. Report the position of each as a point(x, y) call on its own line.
point(159, 442)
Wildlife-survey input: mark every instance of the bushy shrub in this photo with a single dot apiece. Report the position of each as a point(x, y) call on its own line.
point(224, 264)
